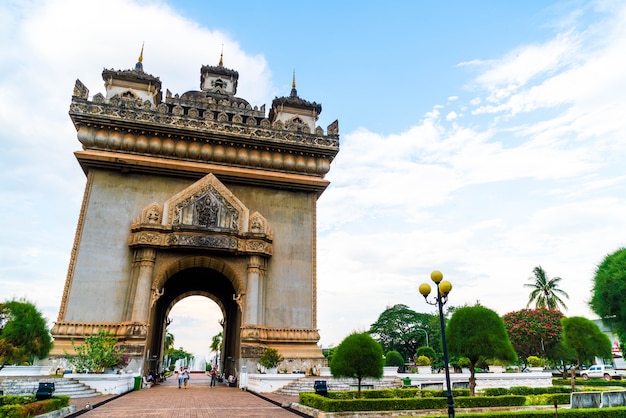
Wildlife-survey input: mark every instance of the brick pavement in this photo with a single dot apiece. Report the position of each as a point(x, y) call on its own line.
point(199, 400)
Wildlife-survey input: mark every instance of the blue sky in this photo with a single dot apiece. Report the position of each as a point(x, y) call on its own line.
point(478, 138)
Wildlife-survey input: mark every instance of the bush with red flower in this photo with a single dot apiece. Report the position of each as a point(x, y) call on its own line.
point(534, 332)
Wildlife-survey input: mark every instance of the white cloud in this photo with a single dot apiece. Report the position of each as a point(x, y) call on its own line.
point(540, 183)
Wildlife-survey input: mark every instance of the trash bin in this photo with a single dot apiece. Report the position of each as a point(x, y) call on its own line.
point(137, 382)
point(321, 388)
point(406, 381)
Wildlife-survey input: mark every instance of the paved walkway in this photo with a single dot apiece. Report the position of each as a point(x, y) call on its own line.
point(199, 400)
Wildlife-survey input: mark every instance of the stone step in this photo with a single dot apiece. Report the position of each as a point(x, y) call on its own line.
point(75, 390)
point(62, 386)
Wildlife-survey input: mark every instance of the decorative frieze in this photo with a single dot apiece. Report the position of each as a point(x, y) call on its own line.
point(124, 330)
point(269, 335)
point(225, 133)
point(166, 237)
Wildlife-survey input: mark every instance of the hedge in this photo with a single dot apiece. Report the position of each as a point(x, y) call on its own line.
point(525, 390)
point(25, 410)
point(590, 382)
point(394, 404)
point(396, 393)
point(619, 412)
point(548, 399)
point(16, 399)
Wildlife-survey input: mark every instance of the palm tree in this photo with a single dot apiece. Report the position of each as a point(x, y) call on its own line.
point(545, 292)
point(169, 341)
point(216, 345)
point(216, 342)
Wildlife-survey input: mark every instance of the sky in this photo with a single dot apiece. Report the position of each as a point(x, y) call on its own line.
point(479, 138)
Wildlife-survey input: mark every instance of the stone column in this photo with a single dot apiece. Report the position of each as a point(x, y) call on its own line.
point(254, 290)
point(144, 259)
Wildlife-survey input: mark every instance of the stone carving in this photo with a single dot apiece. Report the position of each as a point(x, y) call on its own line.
point(207, 204)
point(78, 330)
point(256, 246)
point(271, 334)
point(256, 226)
point(207, 209)
point(204, 241)
point(152, 214)
point(156, 294)
point(80, 90)
point(259, 225)
point(238, 298)
point(148, 238)
point(255, 128)
point(333, 128)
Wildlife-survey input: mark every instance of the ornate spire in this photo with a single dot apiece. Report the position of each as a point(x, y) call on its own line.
point(221, 64)
point(139, 65)
point(294, 92)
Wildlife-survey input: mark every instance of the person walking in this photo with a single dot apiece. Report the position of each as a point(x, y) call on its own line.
point(180, 377)
point(213, 376)
point(185, 377)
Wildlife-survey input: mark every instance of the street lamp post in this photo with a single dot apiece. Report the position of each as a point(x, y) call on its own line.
point(443, 288)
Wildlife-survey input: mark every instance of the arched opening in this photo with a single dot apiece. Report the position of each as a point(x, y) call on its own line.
point(202, 281)
point(193, 322)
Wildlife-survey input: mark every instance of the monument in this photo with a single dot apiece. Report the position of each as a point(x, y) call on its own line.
point(197, 194)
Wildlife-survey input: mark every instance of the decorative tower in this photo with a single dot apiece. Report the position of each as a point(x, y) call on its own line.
point(200, 194)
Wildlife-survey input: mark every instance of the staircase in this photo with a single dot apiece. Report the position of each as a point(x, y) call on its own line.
point(28, 385)
point(305, 384)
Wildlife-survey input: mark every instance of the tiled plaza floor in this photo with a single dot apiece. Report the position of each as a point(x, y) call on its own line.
point(199, 400)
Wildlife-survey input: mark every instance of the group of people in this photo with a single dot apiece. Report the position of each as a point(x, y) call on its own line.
point(183, 377)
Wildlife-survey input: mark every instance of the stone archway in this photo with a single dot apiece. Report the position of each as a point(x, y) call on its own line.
point(196, 185)
point(204, 276)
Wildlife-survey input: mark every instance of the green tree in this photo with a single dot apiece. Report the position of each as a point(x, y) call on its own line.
point(178, 354)
point(216, 342)
point(216, 346)
point(478, 333)
point(358, 356)
point(24, 334)
point(609, 288)
point(99, 352)
point(586, 339)
point(270, 358)
point(546, 292)
point(393, 358)
point(426, 351)
point(534, 332)
point(401, 329)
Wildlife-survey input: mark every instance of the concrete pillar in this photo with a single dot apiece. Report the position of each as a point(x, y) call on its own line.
point(254, 290)
point(144, 264)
